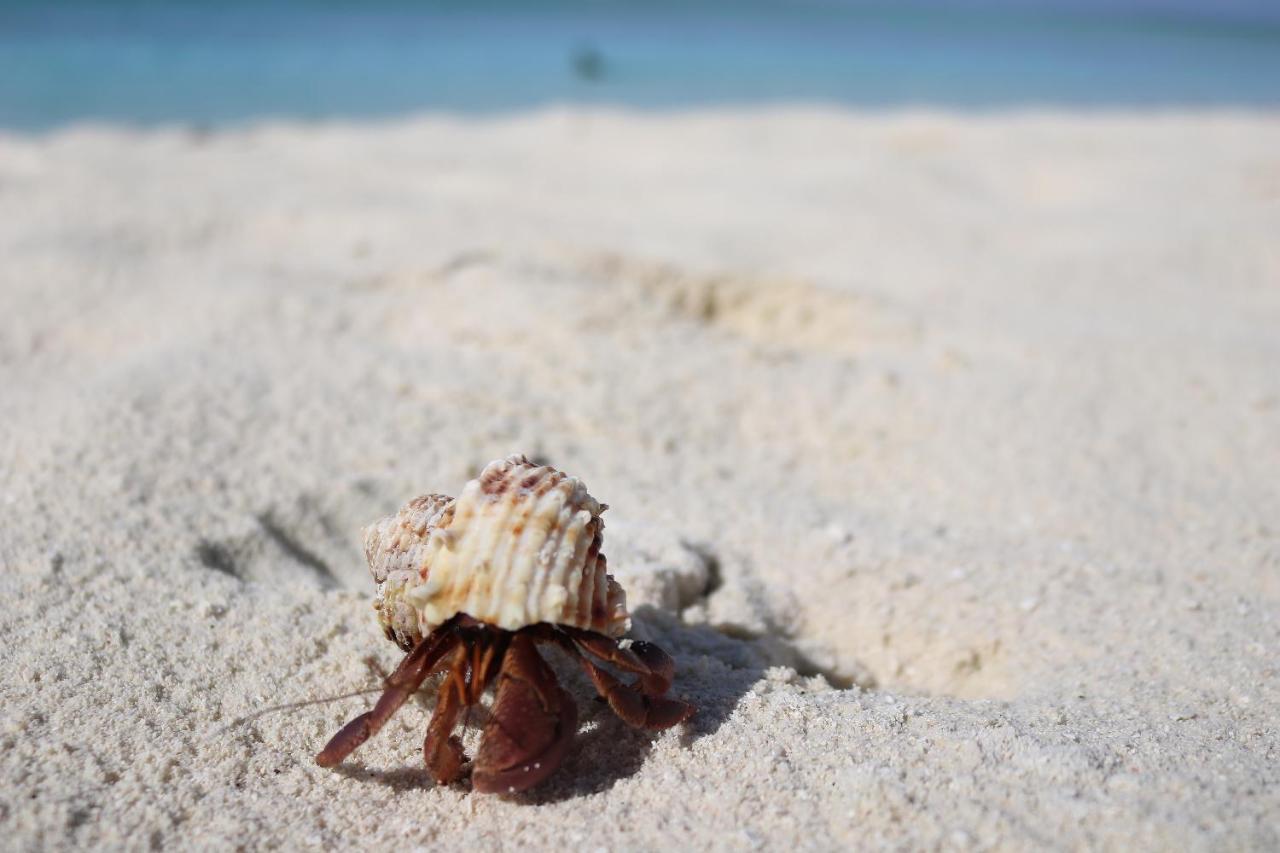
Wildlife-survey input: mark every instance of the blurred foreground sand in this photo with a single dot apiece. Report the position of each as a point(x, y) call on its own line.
point(942, 454)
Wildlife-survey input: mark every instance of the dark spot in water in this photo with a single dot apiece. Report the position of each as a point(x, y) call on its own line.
point(588, 63)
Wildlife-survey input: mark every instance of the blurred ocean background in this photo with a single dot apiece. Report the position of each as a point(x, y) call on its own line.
point(212, 63)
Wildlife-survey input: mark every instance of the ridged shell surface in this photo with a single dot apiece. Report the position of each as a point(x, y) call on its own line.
point(520, 545)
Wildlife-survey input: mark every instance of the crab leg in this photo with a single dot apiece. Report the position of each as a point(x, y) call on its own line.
point(652, 664)
point(641, 705)
point(530, 725)
point(487, 666)
point(442, 750)
point(401, 684)
point(637, 707)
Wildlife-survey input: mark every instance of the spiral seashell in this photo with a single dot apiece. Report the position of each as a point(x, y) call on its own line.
point(520, 545)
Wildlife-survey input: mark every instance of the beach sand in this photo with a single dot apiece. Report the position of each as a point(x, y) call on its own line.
point(942, 453)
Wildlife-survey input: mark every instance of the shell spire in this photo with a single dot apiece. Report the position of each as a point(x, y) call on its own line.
point(520, 545)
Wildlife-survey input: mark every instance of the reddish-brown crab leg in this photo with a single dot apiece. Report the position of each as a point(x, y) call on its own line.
point(641, 705)
point(488, 665)
point(652, 664)
point(471, 667)
point(401, 684)
point(442, 750)
point(636, 708)
point(530, 726)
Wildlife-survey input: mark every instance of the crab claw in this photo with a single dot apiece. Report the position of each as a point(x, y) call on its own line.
point(530, 726)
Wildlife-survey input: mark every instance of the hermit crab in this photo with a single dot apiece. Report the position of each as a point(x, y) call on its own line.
point(470, 586)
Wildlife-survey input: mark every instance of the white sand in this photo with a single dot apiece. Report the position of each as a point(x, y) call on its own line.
point(982, 414)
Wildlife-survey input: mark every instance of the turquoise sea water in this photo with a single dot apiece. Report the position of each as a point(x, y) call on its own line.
point(204, 63)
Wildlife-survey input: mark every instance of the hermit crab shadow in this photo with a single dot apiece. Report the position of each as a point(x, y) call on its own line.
point(398, 779)
point(715, 670)
point(716, 667)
